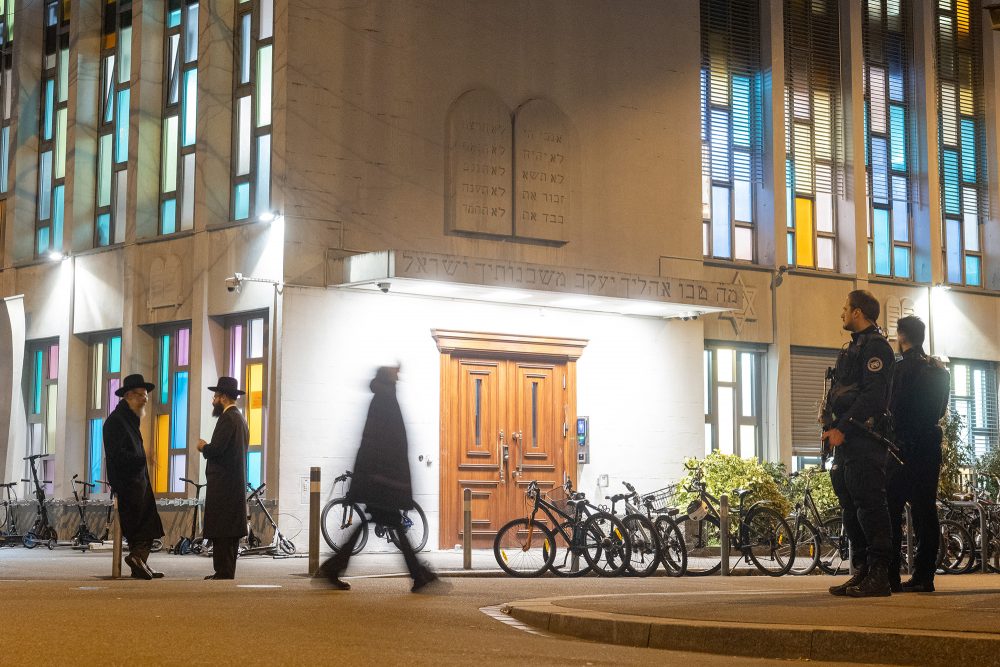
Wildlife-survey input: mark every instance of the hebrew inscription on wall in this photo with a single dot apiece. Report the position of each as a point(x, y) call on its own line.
point(546, 159)
point(479, 165)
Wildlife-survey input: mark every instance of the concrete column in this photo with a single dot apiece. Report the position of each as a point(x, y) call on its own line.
point(852, 205)
point(84, 96)
point(991, 79)
point(926, 211)
point(215, 113)
point(146, 116)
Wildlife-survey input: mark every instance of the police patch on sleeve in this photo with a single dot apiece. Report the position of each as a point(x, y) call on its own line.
point(874, 364)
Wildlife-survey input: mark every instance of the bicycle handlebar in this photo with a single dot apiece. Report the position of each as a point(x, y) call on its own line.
point(83, 483)
point(190, 481)
point(33, 457)
point(9, 484)
point(629, 486)
point(41, 481)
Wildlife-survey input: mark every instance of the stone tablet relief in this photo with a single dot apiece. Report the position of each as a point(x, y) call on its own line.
point(164, 282)
point(479, 165)
point(546, 172)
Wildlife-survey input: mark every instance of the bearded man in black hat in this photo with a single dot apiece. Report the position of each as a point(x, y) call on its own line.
point(226, 477)
point(129, 476)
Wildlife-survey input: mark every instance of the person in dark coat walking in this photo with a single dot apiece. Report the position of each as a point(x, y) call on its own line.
point(226, 478)
point(381, 480)
point(129, 477)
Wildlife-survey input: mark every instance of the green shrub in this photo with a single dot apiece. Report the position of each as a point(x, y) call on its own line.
point(955, 454)
point(988, 466)
point(724, 472)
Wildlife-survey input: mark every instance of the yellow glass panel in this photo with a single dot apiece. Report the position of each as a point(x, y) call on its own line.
point(965, 85)
point(719, 75)
point(162, 460)
point(962, 16)
point(255, 403)
point(804, 232)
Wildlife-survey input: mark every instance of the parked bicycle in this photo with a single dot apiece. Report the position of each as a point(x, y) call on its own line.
point(254, 546)
point(820, 540)
point(41, 530)
point(758, 533)
point(526, 547)
point(649, 539)
point(658, 506)
point(340, 516)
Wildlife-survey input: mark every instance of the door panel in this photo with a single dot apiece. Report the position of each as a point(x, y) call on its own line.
point(502, 427)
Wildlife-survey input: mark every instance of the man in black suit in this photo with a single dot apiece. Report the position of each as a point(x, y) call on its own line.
point(226, 477)
point(129, 477)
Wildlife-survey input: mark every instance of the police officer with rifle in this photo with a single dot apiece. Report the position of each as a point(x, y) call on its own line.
point(852, 417)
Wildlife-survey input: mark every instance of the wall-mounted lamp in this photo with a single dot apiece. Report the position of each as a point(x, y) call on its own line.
point(779, 277)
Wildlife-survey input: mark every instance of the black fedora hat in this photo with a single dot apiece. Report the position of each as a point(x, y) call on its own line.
point(134, 381)
point(227, 386)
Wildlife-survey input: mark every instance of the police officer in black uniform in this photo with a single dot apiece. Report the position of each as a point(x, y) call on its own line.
point(857, 401)
point(916, 409)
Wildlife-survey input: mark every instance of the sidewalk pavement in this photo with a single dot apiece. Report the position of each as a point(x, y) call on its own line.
point(792, 618)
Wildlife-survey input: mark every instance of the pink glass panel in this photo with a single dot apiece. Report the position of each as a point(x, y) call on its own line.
point(53, 362)
point(113, 385)
point(183, 346)
point(235, 350)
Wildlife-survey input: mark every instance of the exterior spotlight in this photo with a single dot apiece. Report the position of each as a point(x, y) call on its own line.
point(266, 216)
point(55, 255)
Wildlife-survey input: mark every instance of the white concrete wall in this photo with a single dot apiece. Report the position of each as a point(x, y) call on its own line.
point(639, 380)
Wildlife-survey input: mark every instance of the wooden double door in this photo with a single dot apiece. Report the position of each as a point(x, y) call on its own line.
point(505, 422)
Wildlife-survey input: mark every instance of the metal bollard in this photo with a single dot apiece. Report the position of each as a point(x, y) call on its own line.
point(984, 540)
point(116, 551)
point(724, 533)
point(313, 520)
point(467, 529)
point(910, 547)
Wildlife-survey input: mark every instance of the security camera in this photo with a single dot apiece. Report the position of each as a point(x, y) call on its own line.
point(234, 282)
point(384, 287)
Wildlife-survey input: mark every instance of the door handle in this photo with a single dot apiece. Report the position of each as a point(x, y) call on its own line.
point(519, 470)
point(502, 457)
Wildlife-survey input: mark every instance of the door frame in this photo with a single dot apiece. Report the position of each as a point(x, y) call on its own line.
point(497, 346)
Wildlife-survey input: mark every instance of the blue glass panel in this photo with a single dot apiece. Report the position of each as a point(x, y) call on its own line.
point(121, 126)
point(241, 201)
point(899, 188)
point(164, 369)
point(721, 224)
point(4, 157)
point(953, 245)
point(741, 166)
point(58, 213)
point(49, 109)
point(43, 240)
point(115, 354)
point(789, 210)
point(39, 369)
point(741, 111)
point(253, 468)
point(972, 270)
point(168, 216)
point(104, 229)
point(880, 237)
point(174, 18)
point(45, 185)
point(897, 137)
point(968, 151)
point(790, 237)
point(880, 171)
point(900, 221)
point(952, 201)
point(179, 412)
point(895, 79)
point(867, 134)
point(901, 262)
point(742, 201)
point(96, 447)
point(720, 145)
point(190, 108)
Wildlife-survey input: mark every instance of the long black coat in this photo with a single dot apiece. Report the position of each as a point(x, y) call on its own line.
point(129, 477)
point(382, 470)
point(226, 476)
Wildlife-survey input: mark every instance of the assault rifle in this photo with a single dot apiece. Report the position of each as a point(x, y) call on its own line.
point(880, 438)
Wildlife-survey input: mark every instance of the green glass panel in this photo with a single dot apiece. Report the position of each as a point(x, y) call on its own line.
point(63, 75)
point(125, 55)
point(169, 175)
point(104, 171)
point(58, 213)
point(60, 166)
point(264, 86)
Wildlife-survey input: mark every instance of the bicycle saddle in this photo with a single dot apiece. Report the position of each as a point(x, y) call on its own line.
point(618, 497)
point(742, 493)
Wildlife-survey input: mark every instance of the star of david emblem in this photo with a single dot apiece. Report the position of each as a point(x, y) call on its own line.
point(747, 296)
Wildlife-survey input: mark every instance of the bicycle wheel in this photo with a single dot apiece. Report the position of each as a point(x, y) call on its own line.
point(340, 517)
point(770, 541)
point(957, 553)
point(568, 559)
point(30, 541)
point(415, 527)
point(606, 544)
point(807, 548)
point(524, 548)
point(834, 552)
point(703, 546)
point(673, 552)
point(644, 555)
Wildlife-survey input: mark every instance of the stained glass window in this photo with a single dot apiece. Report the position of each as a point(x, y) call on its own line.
point(252, 101)
point(42, 372)
point(812, 130)
point(53, 125)
point(730, 125)
point(7, 99)
point(734, 390)
point(247, 361)
point(888, 136)
point(113, 125)
point(180, 104)
point(105, 379)
point(170, 408)
point(961, 128)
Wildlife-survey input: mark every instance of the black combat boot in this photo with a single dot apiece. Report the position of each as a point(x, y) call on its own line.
point(915, 585)
point(859, 574)
point(874, 585)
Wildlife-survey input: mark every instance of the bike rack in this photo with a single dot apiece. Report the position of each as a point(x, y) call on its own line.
point(724, 534)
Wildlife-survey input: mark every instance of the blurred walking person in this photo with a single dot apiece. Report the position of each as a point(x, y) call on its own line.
point(226, 478)
point(128, 475)
point(381, 481)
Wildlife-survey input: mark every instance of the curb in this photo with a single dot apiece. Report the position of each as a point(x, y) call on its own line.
point(759, 640)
